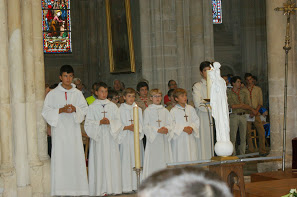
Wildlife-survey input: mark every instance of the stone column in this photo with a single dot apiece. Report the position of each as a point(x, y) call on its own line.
point(276, 26)
point(145, 39)
point(208, 30)
point(27, 29)
point(39, 78)
point(18, 97)
point(201, 31)
point(5, 112)
point(180, 36)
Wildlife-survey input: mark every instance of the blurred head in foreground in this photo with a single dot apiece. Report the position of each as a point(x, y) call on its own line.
point(189, 181)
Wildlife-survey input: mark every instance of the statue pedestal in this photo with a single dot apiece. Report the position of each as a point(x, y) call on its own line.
point(230, 173)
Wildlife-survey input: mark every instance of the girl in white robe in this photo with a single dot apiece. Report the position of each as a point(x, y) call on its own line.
point(104, 156)
point(158, 148)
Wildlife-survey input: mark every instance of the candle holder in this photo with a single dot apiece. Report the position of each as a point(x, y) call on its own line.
point(138, 171)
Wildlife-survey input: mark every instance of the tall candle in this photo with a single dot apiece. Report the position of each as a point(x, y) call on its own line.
point(208, 84)
point(136, 137)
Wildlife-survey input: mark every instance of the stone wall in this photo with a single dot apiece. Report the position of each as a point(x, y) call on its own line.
point(240, 42)
point(176, 36)
point(90, 50)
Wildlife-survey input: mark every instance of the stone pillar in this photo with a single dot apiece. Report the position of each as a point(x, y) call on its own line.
point(18, 107)
point(145, 39)
point(27, 29)
point(208, 37)
point(182, 29)
point(5, 112)
point(276, 27)
point(201, 31)
point(39, 78)
point(175, 38)
point(201, 39)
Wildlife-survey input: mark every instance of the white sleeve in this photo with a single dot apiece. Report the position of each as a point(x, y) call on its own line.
point(149, 130)
point(122, 132)
point(169, 125)
point(177, 128)
point(197, 97)
point(81, 110)
point(92, 126)
point(50, 114)
point(141, 134)
point(115, 123)
point(195, 122)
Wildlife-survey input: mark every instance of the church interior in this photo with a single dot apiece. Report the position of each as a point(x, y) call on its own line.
point(168, 39)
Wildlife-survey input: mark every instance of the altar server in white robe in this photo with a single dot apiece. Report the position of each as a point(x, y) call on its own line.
point(185, 128)
point(102, 125)
point(64, 109)
point(126, 140)
point(199, 94)
point(157, 128)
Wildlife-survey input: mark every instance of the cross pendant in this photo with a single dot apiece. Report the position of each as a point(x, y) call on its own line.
point(131, 121)
point(158, 121)
point(104, 113)
point(186, 117)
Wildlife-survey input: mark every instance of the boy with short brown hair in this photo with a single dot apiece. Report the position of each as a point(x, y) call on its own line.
point(126, 140)
point(103, 127)
point(185, 128)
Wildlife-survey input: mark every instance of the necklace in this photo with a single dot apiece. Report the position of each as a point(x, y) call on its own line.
point(251, 90)
point(237, 93)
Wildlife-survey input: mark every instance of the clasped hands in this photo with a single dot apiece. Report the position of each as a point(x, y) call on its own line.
point(130, 127)
point(67, 109)
point(104, 121)
point(163, 130)
point(188, 130)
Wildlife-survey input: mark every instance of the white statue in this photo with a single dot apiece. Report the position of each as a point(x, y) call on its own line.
point(220, 111)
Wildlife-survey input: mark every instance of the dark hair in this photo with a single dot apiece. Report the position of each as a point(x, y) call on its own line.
point(67, 69)
point(246, 75)
point(53, 86)
point(101, 84)
point(255, 78)
point(170, 82)
point(188, 181)
point(141, 85)
point(170, 92)
point(204, 65)
point(94, 86)
point(234, 79)
point(111, 94)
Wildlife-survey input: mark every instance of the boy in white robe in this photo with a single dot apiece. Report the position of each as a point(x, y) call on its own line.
point(204, 112)
point(157, 128)
point(185, 128)
point(102, 126)
point(64, 109)
point(126, 139)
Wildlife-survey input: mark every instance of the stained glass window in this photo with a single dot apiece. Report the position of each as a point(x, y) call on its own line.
point(217, 11)
point(56, 26)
